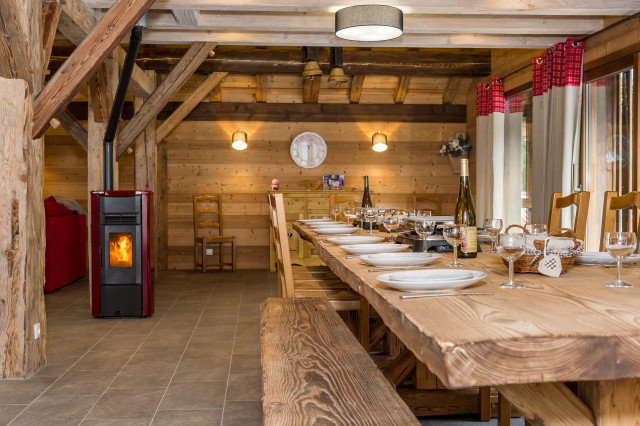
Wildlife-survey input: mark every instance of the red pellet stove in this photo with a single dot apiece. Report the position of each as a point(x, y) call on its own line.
point(121, 226)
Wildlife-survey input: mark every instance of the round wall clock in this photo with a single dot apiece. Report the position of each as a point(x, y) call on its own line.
point(308, 150)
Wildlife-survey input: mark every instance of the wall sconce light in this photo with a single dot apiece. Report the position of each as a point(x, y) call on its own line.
point(239, 140)
point(370, 22)
point(379, 142)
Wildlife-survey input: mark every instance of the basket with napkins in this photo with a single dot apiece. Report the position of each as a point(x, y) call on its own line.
point(549, 254)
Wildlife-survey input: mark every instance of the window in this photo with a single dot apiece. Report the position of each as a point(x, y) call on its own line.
point(610, 152)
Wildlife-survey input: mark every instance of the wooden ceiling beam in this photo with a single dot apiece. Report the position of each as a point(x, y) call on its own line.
point(401, 89)
point(311, 90)
point(251, 60)
point(51, 10)
point(84, 61)
point(159, 98)
point(186, 17)
point(462, 7)
point(76, 22)
point(77, 132)
point(355, 91)
point(261, 88)
point(188, 105)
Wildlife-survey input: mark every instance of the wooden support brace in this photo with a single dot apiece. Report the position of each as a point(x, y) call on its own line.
point(197, 53)
point(401, 89)
point(614, 402)
point(356, 89)
point(84, 61)
point(449, 93)
point(77, 132)
point(401, 368)
point(51, 10)
point(188, 105)
point(261, 88)
point(311, 90)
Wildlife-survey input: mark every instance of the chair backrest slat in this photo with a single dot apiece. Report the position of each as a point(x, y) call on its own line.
point(281, 245)
point(207, 214)
point(612, 203)
point(578, 199)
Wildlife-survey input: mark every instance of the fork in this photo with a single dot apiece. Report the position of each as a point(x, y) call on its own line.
point(615, 265)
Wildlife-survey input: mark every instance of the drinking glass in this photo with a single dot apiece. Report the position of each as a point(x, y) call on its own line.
point(423, 212)
point(493, 228)
point(391, 223)
point(370, 216)
point(424, 228)
point(536, 228)
point(511, 247)
point(335, 212)
point(620, 245)
point(349, 213)
point(454, 234)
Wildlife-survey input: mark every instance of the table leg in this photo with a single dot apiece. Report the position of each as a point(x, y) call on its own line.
point(614, 402)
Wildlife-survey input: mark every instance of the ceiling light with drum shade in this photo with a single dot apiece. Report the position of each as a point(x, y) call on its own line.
point(311, 68)
point(379, 142)
point(369, 22)
point(239, 140)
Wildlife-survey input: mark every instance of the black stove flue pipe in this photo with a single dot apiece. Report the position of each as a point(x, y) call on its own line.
point(118, 102)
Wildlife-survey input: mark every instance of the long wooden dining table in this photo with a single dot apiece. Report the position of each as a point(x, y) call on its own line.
point(526, 342)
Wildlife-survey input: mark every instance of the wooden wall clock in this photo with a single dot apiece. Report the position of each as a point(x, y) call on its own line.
point(308, 150)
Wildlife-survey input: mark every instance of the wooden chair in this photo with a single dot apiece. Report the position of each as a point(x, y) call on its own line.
point(306, 284)
point(613, 203)
point(435, 204)
point(336, 200)
point(578, 199)
point(207, 221)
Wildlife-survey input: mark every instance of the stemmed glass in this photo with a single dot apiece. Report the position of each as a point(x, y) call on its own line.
point(620, 245)
point(493, 227)
point(371, 215)
point(391, 223)
point(454, 234)
point(511, 247)
point(424, 228)
point(349, 213)
point(536, 228)
point(335, 212)
point(423, 212)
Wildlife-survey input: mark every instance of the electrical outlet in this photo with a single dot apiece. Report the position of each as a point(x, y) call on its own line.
point(209, 252)
point(36, 331)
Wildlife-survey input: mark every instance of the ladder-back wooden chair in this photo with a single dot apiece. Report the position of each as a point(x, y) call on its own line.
point(291, 285)
point(345, 200)
point(208, 231)
point(578, 199)
point(612, 204)
point(432, 202)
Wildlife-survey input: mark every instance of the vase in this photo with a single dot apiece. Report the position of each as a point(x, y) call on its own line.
point(455, 162)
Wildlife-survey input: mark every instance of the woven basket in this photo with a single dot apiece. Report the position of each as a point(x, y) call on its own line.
point(528, 262)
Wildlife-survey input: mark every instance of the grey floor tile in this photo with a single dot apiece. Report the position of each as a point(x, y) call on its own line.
point(242, 413)
point(143, 376)
point(103, 360)
point(23, 391)
point(82, 382)
point(118, 342)
point(117, 422)
point(245, 364)
point(187, 417)
point(194, 396)
point(244, 387)
point(57, 410)
point(208, 350)
point(190, 370)
point(9, 411)
point(246, 345)
point(214, 333)
point(127, 404)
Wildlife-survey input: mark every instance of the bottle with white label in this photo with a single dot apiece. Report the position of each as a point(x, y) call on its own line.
point(465, 214)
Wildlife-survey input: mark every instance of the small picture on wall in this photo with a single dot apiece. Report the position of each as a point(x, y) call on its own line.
point(333, 181)
point(462, 135)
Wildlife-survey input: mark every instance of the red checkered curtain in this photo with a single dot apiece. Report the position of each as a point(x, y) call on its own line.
point(557, 103)
point(490, 150)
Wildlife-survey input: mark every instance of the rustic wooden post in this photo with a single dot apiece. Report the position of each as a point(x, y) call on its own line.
point(145, 169)
point(161, 209)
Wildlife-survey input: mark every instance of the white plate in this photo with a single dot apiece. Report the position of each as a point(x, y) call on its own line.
point(330, 225)
point(433, 218)
point(604, 258)
point(400, 259)
point(431, 279)
point(355, 239)
point(315, 220)
point(336, 231)
point(374, 248)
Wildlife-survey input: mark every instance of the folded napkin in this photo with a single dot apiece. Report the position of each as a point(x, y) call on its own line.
point(554, 244)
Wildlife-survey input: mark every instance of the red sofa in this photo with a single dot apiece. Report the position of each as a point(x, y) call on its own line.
point(66, 253)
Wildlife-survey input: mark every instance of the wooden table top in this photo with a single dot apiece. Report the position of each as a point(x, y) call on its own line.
point(571, 328)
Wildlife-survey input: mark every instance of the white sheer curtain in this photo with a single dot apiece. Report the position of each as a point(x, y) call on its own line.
point(556, 125)
point(490, 150)
point(513, 136)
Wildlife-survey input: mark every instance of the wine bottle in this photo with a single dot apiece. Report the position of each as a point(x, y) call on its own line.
point(466, 213)
point(366, 197)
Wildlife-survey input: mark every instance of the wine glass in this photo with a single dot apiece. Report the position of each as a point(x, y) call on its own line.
point(511, 247)
point(620, 245)
point(423, 212)
point(335, 212)
point(370, 215)
point(391, 223)
point(536, 228)
point(349, 213)
point(493, 228)
point(424, 228)
point(454, 234)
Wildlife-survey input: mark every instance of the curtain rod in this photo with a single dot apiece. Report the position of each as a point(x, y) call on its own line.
point(636, 15)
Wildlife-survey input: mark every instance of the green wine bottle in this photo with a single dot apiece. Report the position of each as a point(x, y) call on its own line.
point(366, 197)
point(466, 214)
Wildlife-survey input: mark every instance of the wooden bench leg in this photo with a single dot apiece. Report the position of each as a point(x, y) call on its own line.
point(364, 323)
point(220, 256)
point(233, 254)
point(485, 404)
point(504, 411)
point(204, 256)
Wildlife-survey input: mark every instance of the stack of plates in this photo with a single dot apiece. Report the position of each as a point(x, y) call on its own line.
point(317, 225)
point(603, 258)
point(355, 239)
point(400, 259)
point(374, 248)
point(310, 221)
point(431, 279)
point(336, 230)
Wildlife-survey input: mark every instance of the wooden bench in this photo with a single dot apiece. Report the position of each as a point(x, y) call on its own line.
point(314, 371)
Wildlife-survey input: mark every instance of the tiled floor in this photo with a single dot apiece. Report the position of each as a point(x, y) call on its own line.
point(196, 361)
